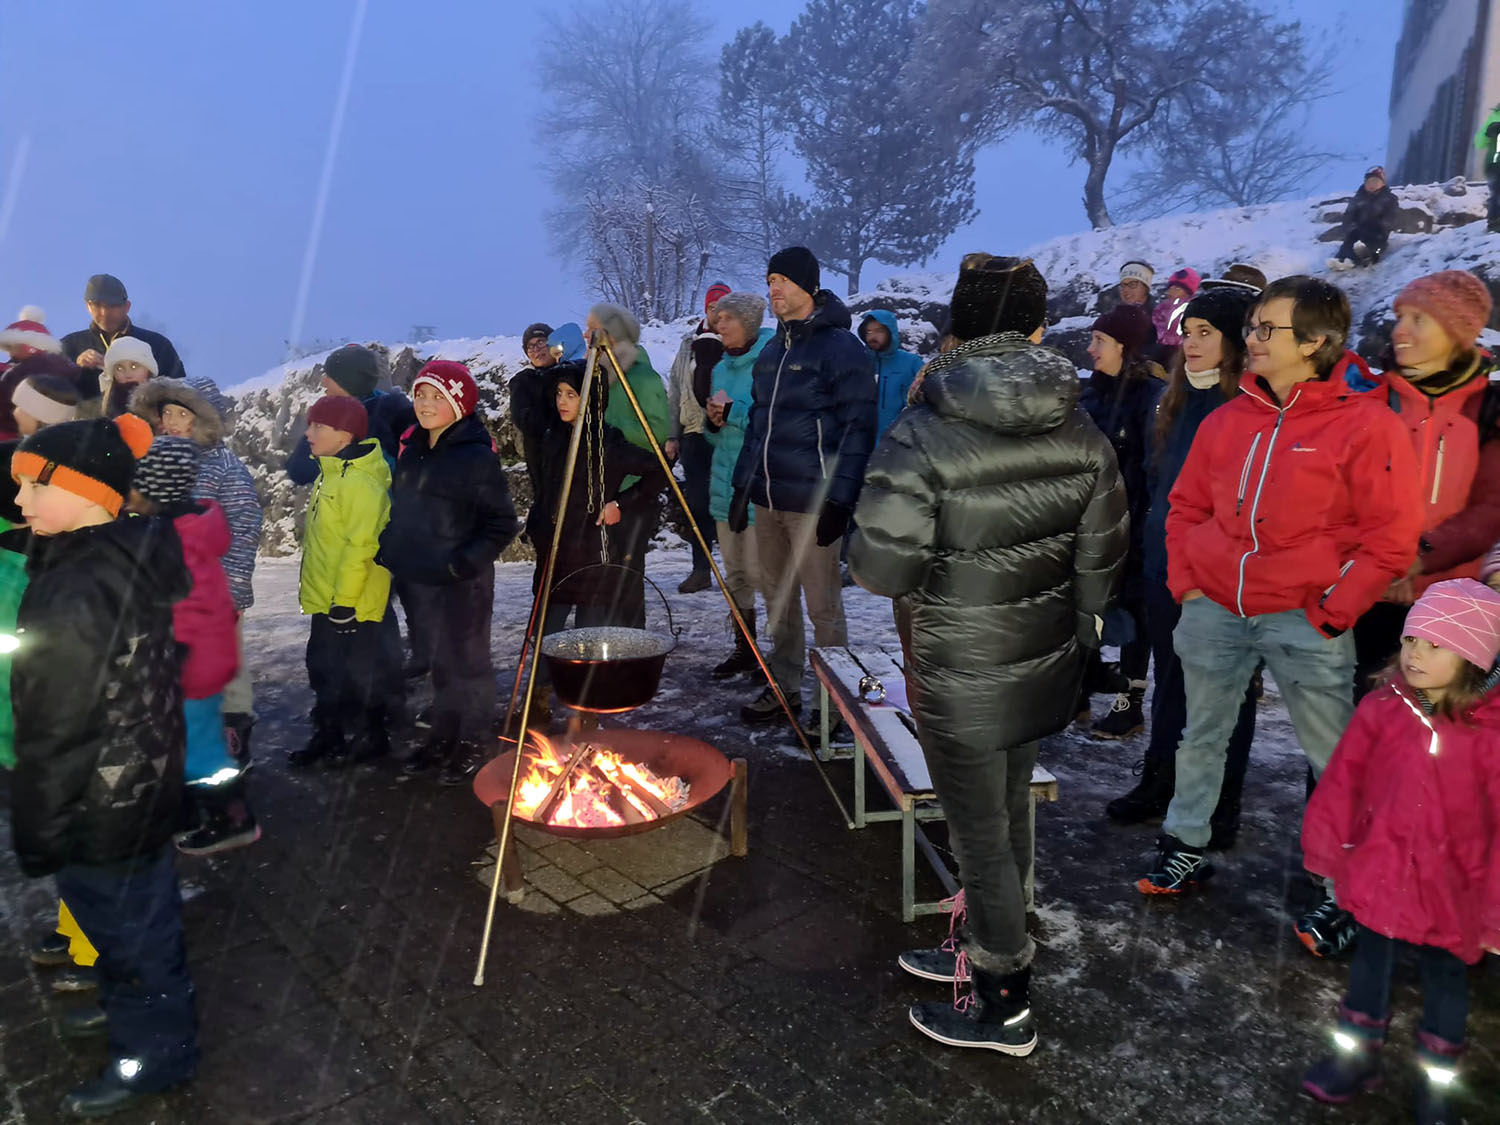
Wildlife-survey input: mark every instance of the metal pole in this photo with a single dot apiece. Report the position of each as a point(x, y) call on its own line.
point(734, 610)
point(540, 609)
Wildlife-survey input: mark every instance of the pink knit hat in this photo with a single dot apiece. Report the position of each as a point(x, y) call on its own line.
point(1188, 278)
point(1456, 299)
point(1462, 615)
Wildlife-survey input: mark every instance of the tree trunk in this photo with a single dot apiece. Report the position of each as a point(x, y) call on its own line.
point(854, 269)
point(1093, 186)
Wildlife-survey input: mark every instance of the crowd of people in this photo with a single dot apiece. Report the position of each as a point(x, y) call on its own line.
point(1230, 490)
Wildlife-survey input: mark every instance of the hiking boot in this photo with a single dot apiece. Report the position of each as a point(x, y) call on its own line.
point(463, 762)
point(237, 728)
point(83, 1023)
point(1439, 1061)
point(996, 1016)
point(326, 741)
point(75, 978)
point(1126, 717)
point(371, 741)
point(429, 754)
point(1352, 1069)
point(51, 950)
point(1151, 796)
point(1327, 930)
point(228, 821)
point(1179, 869)
point(112, 1092)
point(696, 581)
point(764, 708)
point(742, 659)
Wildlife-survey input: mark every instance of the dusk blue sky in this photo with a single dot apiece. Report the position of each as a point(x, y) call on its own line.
point(180, 145)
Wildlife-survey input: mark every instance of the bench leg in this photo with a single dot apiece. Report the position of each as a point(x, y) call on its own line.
point(908, 858)
point(1031, 870)
point(825, 752)
point(859, 787)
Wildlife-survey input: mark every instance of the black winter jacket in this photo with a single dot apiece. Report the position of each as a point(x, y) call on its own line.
point(74, 344)
point(812, 417)
point(1378, 210)
point(1162, 469)
point(533, 409)
point(451, 513)
point(97, 692)
point(1124, 409)
point(579, 546)
point(390, 415)
point(994, 508)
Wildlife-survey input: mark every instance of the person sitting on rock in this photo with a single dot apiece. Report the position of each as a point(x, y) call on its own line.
point(1369, 219)
point(1488, 142)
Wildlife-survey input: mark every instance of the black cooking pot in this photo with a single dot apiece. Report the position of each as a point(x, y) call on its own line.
point(608, 668)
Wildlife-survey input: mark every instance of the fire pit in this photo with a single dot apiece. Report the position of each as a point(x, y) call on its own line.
point(600, 783)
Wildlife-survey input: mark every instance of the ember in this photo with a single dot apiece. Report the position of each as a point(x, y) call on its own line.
point(593, 787)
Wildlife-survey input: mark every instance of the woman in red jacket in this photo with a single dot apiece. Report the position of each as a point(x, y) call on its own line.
point(1406, 822)
point(1437, 381)
point(1296, 508)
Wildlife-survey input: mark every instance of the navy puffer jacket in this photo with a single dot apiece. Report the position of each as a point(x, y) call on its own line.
point(812, 422)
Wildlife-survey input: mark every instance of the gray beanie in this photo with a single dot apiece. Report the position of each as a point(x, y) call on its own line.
point(623, 329)
point(747, 308)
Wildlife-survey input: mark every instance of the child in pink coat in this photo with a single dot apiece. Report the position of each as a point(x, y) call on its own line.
point(1406, 824)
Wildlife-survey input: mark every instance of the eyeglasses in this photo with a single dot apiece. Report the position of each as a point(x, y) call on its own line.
point(536, 344)
point(1263, 330)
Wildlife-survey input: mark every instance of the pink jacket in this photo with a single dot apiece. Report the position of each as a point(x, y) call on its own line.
point(204, 620)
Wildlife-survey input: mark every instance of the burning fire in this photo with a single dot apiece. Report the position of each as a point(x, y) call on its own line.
point(592, 788)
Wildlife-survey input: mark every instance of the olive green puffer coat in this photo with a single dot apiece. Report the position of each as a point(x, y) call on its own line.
point(995, 511)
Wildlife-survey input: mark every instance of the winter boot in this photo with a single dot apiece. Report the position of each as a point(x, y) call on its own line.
point(463, 762)
point(327, 741)
point(995, 1016)
point(51, 950)
point(84, 1023)
point(696, 581)
point(1327, 930)
point(946, 963)
point(116, 1089)
point(1151, 796)
point(742, 659)
point(1179, 869)
point(237, 728)
point(1126, 717)
point(431, 753)
point(1354, 1067)
point(228, 821)
point(1439, 1060)
point(372, 740)
point(764, 708)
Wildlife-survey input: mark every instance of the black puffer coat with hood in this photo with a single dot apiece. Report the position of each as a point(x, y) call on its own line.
point(97, 691)
point(994, 509)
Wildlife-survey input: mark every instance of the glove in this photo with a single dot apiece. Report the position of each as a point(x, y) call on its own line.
point(342, 618)
point(739, 511)
point(833, 521)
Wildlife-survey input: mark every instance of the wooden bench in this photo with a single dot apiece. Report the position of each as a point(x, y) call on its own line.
point(885, 737)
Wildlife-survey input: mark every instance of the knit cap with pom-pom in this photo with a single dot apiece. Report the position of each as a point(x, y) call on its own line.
point(93, 458)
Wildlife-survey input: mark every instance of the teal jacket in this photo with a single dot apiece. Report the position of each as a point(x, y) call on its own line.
point(895, 370)
point(732, 374)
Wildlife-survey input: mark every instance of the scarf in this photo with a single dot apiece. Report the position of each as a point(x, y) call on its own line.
point(1202, 380)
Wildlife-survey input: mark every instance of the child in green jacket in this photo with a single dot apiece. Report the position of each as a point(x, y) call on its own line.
point(343, 588)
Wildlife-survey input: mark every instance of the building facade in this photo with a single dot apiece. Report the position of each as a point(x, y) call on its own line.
point(1446, 80)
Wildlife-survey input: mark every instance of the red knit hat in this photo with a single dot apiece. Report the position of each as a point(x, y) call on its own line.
point(29, 330)
point(453, 381)
point(341, 412)
point(715, 291)
point(1456, 299)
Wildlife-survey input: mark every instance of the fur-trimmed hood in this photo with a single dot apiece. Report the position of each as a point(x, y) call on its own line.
point(153, 394)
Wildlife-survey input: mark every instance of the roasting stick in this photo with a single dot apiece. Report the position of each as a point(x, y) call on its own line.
point(734, 610)
point(539, 614)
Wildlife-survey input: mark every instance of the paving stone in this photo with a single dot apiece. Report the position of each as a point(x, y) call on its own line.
point(570, 857)
point(663, 854)
point(612, 885)
point(556, 884)
point(592, 904)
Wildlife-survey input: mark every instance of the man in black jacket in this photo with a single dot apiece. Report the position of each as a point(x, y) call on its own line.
point(811, 427)
point(994, 514)
point(1369, 218)
point(109, 316)
point(531, 406)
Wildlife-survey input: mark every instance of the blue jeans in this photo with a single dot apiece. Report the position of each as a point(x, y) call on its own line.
point(1445, 985)
point(1219, 651)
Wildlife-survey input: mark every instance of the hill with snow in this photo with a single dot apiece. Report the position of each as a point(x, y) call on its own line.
point(1441, 227)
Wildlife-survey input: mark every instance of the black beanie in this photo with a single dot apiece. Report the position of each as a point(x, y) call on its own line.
point(1130, 325)
point(1226, 310)
point(995, 294)
point(354, 368)
point(168, 472)
point(94, 458)
point(798, 265)
point(533, 331)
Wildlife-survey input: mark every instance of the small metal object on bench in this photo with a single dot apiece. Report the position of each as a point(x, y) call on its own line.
point(886, 740)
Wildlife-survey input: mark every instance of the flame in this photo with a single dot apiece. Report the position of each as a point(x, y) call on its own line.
point(587, 803)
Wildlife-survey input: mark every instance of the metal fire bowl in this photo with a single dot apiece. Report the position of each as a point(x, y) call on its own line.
point(704, 767)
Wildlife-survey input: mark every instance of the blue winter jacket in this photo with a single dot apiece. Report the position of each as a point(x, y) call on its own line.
point(390, 414)
point(812, 424)
point(733, 374)
point(1161, 474)
point(895, 370)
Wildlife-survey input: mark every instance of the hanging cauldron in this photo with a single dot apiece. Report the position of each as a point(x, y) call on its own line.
point(608, 668)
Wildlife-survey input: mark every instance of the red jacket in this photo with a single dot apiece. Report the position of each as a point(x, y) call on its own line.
point(1461, 505)
point(1311, 505)
point(204, 620)
point(1406, 822)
